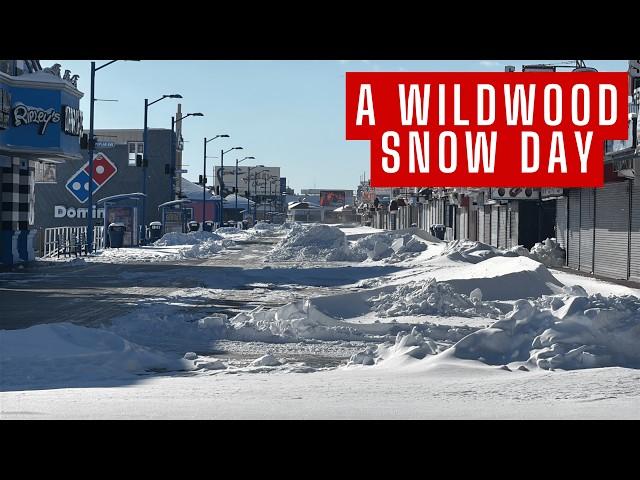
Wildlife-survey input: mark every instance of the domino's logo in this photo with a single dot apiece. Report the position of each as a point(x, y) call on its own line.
point(103, 170)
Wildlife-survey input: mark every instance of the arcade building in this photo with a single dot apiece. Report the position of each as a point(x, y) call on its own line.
point(40, 124)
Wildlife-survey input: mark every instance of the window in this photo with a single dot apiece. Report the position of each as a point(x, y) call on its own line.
point(45, 172)
point(135, 148)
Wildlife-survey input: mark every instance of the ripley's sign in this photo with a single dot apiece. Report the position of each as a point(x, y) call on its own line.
point(25, 115)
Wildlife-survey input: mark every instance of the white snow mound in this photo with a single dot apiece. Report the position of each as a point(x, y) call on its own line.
point(63, 351)
point(561, 332)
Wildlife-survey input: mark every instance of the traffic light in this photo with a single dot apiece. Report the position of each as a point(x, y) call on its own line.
point(167, 169)
point(84, 142)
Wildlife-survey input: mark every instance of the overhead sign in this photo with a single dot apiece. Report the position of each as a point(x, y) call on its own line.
point(258, 181)
point(72, 121)
point(332, 198)
point(103, 170)
point(515, 193)
point(551, 192)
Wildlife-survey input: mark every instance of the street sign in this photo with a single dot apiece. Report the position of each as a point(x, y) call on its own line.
point(182, 171)
point(105, 144)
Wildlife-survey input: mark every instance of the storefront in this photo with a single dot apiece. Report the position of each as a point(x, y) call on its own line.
point(40, 123)
point(62, 190)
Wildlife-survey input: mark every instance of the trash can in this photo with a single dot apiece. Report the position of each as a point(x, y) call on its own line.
point(438, 230)
point(207, 226)
point(155, 231)
point(116, 234)
point(193, 226)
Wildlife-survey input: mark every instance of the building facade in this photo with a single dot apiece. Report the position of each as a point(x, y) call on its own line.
point(599, 228)
point(40, 124)
point(61, 190)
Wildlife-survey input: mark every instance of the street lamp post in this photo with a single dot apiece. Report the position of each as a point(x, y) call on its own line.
point(145, 162)
point(173, 148)
point(222, 152)
point(94, 69)
point(237, 163)
point(204, 176)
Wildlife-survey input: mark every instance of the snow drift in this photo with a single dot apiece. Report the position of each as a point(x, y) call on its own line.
point(469, 251)
point(320, 242)
point(566, 332)
point(413, 345)
point(502, 278)
point(548, 252)
point(62, 351)
point(429, 298)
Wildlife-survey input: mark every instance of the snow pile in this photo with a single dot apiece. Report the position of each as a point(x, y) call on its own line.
point(430, 298)
point(169, 328)
point(413, 345)
point(319, 242)
point(549, 253)
point(263, 229)
point(566, 332)
point(473, 252)
point(206, 248)
point(502, 278)
point(387, 245)
point(290, 323)
point(315, 242)
point(267, 360)
point(191, 238)
point(62, 351)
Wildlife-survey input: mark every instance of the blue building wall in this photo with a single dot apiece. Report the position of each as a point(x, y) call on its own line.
point(33, 125)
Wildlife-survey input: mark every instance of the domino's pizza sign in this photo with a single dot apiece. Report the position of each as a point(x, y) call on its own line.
point(103, 170)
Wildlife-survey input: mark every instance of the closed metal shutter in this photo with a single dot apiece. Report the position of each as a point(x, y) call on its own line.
point(513, 223)
point(634, 266)
point(494, 225)
point(472, 234)
point(457, 215)
point(561, 221)
point(480, 223)
point(487, 225)
point(612, 230)
point(464, 222)
point(573, 230)
point(586, 230)
point(502, 226)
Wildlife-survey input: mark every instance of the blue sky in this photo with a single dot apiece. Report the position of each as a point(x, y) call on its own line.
point(284, 113)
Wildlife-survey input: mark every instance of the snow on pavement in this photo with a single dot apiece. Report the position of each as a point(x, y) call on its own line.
point(443, 324)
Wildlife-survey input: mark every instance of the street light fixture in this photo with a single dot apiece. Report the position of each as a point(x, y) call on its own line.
point(204, 176)
point(92, 101)
point(238, 162)
point(173, 149)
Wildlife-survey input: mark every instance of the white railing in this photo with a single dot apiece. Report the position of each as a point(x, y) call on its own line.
point(70, 240)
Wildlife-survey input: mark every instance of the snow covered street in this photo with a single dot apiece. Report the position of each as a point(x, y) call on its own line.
point(316, 321)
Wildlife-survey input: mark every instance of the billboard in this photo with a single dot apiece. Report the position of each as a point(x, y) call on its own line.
point(332, 198)
point(515, 194)
point(263, 181)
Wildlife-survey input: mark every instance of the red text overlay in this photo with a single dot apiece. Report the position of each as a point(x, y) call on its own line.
point(532, 129)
